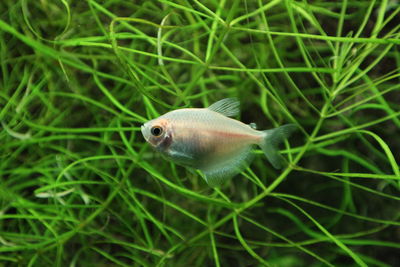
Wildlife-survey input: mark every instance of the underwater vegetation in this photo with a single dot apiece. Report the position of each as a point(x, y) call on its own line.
point(81, 186)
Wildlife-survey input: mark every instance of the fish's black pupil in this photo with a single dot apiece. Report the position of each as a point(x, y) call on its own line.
point(156, 131)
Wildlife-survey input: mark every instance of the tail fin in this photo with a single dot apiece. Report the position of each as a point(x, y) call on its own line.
point(271, 141)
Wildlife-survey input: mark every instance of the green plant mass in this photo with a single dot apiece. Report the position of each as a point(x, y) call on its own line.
point(80, 186)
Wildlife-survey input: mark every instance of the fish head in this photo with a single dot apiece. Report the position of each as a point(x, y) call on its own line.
point(158, 133)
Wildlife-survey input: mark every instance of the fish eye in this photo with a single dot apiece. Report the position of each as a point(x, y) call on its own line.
point(156, 130)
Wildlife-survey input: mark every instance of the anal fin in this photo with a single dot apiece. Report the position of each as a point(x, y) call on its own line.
point(216, 173)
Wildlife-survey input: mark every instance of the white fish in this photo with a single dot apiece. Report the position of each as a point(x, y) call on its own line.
point(208, 140)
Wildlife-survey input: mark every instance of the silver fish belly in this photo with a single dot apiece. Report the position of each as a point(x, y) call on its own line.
point(208, 140)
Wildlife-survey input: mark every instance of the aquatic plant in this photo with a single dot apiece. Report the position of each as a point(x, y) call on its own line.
point(79, 186)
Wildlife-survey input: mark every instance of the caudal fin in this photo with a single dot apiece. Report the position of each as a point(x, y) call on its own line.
point(271, 141)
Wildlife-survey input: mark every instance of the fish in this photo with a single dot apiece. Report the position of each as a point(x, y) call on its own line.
point(210, 140)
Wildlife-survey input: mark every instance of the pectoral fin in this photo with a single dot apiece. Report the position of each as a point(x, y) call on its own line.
point(180, 158)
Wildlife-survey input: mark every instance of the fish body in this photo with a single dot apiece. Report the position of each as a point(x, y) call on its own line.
point(209, 140)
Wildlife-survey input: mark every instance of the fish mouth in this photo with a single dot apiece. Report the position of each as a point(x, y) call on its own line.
point(144, 132)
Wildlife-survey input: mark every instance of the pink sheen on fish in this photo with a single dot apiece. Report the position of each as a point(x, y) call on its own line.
point(208, 140)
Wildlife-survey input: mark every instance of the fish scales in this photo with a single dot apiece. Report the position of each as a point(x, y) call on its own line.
point(205, 135)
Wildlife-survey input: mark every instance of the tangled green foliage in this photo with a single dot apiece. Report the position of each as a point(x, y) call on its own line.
point(79, 186)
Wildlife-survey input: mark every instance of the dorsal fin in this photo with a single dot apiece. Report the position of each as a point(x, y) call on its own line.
point(229, 107)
